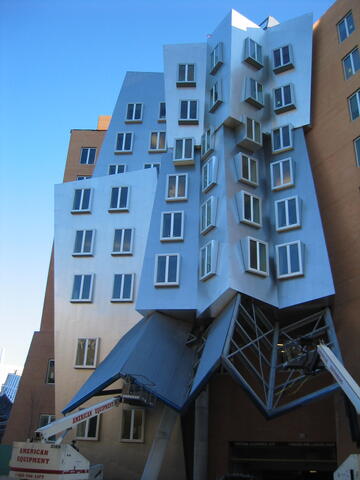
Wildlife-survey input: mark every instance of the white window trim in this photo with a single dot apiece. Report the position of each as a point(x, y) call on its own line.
point(239, 169)
point(253, 198)
point(207, 143)
point(84, 366)
point(211, 165)
point(172, 238)
point(186, 82)
point(215, 103)
point(157, 149)
point(176, 198)
point(118, 208)
point(254, 101)
point(121, 253)
point(187, 120)
point(132, 440)
point(282, 147)
point(284, 107)
point(116, 168)
point(82, 210)
point(216, 58)
point(256, 62)
point(213, 244)
point(253, 139)
point(122, 151)
point(88, 155)
point(281, 163)
point(82, 253)
point(184, 160)
point(203, 208)
point(254, 270)
point(89, 299)
point(86, 437)
point(121, 298)
point(166, 283)
point(283, 66)
point(297, 207)
point(301, 259)
point(162, 119)
point(134, 120)
point(344, 19)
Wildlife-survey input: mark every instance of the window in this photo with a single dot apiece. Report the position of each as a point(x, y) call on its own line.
point(115, 169)
point(184, 151)
point(351, 63)
point(289, 260)
point(152, 165)
point(216, 58)
point(345, 27)
point(253, 53)
point(162, 112)
point(247, 169)
point(215, 97)
point(354, 105)
point(167, 270)
point(357, 150)
point(123, 287)
point(132, 425)
point(207, 215)
point(284, 99)
point(83, 177)
point(84, 240)
point(186, 75)
point(209, 174)
point(81, 203)
point(282, 59)
point(254, 93)
point(188, 112)
point(45, 419)
point(157, 142)
point(82, 288)
point(119, 199)
point(250, 209)
point(124, 142)
point(257, 256)
point(206, 143)
point(86, 352)
point(281, 139)
point(123, 241)
point(253, 131)
point(134, 112)
point(89, 429)
point(176, 188)
point(87, 156)
point(50, 372)
point(282, 174)
point(287, 214)
point(208, 259)
point(172, 226)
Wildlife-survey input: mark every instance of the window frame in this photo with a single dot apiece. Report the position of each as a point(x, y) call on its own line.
point(188, 120)
point(134, 119)
point(176, 198)
point(205, 225)
point(288, 226)
point(81, 253)
point(81, 208)
point(357, 97)
point(118, 208)
point(82, 177)
point(156, 165)
point(172, 238)
point(132, 415)
point(87, 299)
point(283, 66)
point(50, 372)
point(184, 160)
point(249, 268)
point(253, 199)
point(166, 283)
point(121, 252)
point(121, 298)
point(215, 96)
point(83, 365)
point(209, 172)
point(284, 107)
point(254, 61)
point(356, 143)
point(212, 247)
point(216, 58)
point(282, 147)
point(207, 143)
point(300, 257)
point(344, 19)
point(87, 427)
point(353, 71)
point(240, 170)
point(162, 119)
point(158, 134)
point(116, 168)
point(283, 185)
point(87, 160)
point(124, 151)
point(255, 101)
point(253, 138)
point(186, 83)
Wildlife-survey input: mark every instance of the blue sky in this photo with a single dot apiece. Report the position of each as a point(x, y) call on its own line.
point(62, 63)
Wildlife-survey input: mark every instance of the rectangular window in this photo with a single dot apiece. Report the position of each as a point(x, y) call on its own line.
point(247, 169)
point(209, 174)
point(157, 142)
point(208, 260)
point(351, 63)
point(153, 165)
point(254, 93)
point(345, 27)
point(167, 269)
point(132, 425)
point(253, 131)
point(250, 209)
point(207, 215)
point(81, 203)
point(354, 105)
point(184, 151)
point(257, 256)
point(357, 150)
point(123, 241)
point(289, 260)
point(162, 112)
point(253, 53)
point(186, 75)
point(86, 352)
point(206, 143)
point(89, 429)
point(87, 156)
point(123, 287)
point(176, 188)
point(45, 419)
point(124, 142)
point(172, 226)
point(188, 112)
point(216, 58)
point(281, 139)
point(287, 214)
point(83, 177)
point(284, 99)
point(282, 174)
point(134, 112)
point(84, 240)
point(282, 59)
point(82, 288)
point(115, 169)
point(119, 200)
point(50, 372)
point(215, 96)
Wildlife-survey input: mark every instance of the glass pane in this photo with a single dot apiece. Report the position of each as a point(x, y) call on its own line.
point(286, 55)
point(138, 109)
point(342, 30)
point(178, 149)
point(282, 267)
point(277, 58)
point(120, 168)
point(112, 169)
point(127, 240)
point(81, 429)
point(294, 258)
point(357, 151)
point(293, 220)
point(117, 286)
point(259, 53)
point(86, 287)
point(276, 139)
point(161, 267)
point(137, 425)
point(171, 193)
point(162, 114)
point(203, 217)
point(247, 207)
point(181, 73)
point(92, 156)
point(205, 181)
point(252, 88)
point(78, 241)
point(245, 167)
point(126, 424)
point(286, 170)
point(166, 230)
point(114, 197)
point(286, 136)
point(120, 141)
point(91, 347)
point(85, 199)
point(260, 93)
point(76, 287)
point(356, 60)
point(162, 137)
point(252, 49)
point(184, 110)
point(281, 214)
point(348, 67)
point(127, 286)
point(276, 175)
point(88, 241)
point(153, 141)
point(117, 240)
point(127, 141)
point(350, 23)
point(212, 59)
point(92, 427)
point(278, 98)
point(287, 95)
point(188, 148)
point(253, 170)
point(191, 73)
point(193, 109)
point(256, 210)
point(257, 132)
point(80, 352)
point(177, 227)
point(84, 153)
point(123, 197)
point(181, 185)
point(208, 258)
point(202, 261)
point(77, 198)
point(253, 255)
point(354, 107)
point(249, 128)
point(172, 273)
point(208, 213)
point(262, 254)
point(130, 111)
